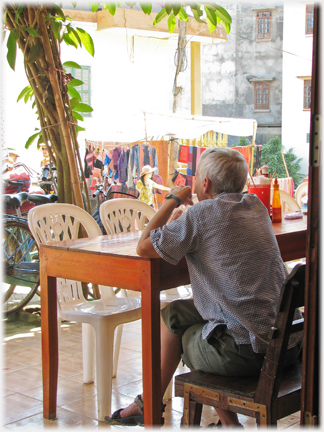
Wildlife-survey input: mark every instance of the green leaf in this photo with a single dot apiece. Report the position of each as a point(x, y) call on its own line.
point(58, 11)
point(79, 128)
point(176, 8)
point(81, 107)
point(75, 82)
point(77, 116)
point(73, 92)
point(74, 102)
point(111, 7)
point(36, 52)
point(5, 17)
point(223, 15)
point(72, 64)
point(74, 4)
point(18, 13)
point(168, 7)
point(56, 25)
point(171, 23)
point(12, 50)
point(74, 35)
point(32, 32)
point(86, 40)
point(159, 17)
point(67, 39)
point(211, 26)
point(211, 15)
point(183, 15)
point(31, 139)
point(144, 7)
point(196, 15)
point(23, 92)
point(40, 140)
point(94, 7)
point(28, 96)
point(227, 27)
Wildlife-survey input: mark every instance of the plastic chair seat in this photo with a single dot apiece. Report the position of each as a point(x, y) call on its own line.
point(105, 308)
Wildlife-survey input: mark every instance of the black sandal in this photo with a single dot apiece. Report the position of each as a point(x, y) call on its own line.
point(134, 420)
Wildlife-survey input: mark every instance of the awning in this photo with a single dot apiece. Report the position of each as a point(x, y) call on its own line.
point(135, 127)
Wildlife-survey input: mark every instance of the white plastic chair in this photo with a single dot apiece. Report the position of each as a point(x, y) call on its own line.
point(301, 191)
point(286, 199)
point(99, 317)
point(125, 215)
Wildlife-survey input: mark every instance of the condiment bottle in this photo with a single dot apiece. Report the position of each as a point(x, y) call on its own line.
point(276, 203)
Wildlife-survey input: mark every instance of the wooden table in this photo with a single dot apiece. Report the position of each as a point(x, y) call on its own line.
point(91, 260)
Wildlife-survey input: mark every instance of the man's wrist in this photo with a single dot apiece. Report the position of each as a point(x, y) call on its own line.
point(177, 199)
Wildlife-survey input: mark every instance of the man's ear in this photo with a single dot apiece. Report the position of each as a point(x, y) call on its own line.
point(206, 185)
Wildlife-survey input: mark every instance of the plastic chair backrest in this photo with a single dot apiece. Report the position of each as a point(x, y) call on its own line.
point(57, 222)
point(124, 215)
point(286, 199)
point(301, 191)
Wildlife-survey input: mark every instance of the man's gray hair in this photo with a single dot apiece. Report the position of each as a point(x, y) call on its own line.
point(226, 168)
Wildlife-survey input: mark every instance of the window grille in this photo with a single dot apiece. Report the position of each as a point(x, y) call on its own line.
point(264, 25)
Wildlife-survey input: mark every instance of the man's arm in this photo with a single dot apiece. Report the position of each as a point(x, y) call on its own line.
point(145, 247)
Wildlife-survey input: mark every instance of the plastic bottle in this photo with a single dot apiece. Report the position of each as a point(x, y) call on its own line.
point(276, 203)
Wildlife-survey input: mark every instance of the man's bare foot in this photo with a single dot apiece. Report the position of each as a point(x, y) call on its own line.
point(131, 410)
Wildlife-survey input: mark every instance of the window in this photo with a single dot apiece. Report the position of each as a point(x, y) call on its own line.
point(307, 94)
point(261, 96)
point(264, 25)
point(82, 74)
point(309, 19)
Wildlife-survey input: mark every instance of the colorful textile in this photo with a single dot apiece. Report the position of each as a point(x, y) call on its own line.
point(183, 154)
point(246, 152)
point(286, 184)
point(180, 180)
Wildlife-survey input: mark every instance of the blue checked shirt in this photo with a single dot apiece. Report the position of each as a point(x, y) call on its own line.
point(234, 263)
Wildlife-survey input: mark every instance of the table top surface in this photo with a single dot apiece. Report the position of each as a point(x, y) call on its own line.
point(125, 244)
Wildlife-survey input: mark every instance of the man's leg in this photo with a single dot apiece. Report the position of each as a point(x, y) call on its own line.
point(170, 358)
point(227, 418)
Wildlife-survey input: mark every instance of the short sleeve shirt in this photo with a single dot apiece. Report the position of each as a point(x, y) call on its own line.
point(234, 262)
point(146, 194)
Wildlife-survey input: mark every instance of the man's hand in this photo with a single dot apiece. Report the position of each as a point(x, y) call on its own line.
point(184, 193)
point(144, 246)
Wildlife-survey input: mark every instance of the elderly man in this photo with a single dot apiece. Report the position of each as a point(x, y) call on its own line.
point(236, 274)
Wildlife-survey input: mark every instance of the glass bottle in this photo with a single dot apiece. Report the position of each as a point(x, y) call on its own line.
point(276, 203)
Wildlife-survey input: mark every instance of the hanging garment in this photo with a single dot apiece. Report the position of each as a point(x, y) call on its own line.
point(87, 170)
point(158, 179)
point(179, 179)
point(134, 168)
point(109, 163)
point(123, 166)
point(148, 156)
point(246, 152)
point(183, 154)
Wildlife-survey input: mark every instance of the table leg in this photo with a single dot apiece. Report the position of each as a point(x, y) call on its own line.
point(49, 343)
point(151, 345)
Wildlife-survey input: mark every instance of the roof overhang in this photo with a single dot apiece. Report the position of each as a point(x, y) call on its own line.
point(136, 22)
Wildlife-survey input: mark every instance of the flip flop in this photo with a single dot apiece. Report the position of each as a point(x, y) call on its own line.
point(115, 419)
point(134, 420)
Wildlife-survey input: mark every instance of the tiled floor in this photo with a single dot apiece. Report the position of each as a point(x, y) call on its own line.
point(22, 382)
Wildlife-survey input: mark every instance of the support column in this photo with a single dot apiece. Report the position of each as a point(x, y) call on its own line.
point(195, 78)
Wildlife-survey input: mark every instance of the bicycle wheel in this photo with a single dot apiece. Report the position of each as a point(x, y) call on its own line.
point(21, 265)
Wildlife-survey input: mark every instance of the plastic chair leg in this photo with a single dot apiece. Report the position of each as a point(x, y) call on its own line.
point(88, 353)
point(104, 363)
point(118, 336)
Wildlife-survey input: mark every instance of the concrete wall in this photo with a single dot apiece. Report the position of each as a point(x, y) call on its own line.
point(227, 68)
point(297, 61)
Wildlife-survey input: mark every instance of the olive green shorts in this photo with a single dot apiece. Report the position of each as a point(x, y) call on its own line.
point(218, 354)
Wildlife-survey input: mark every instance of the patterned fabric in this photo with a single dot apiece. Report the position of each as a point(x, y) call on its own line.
point(234, 263)
point(146, 194)
point(183, 154)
